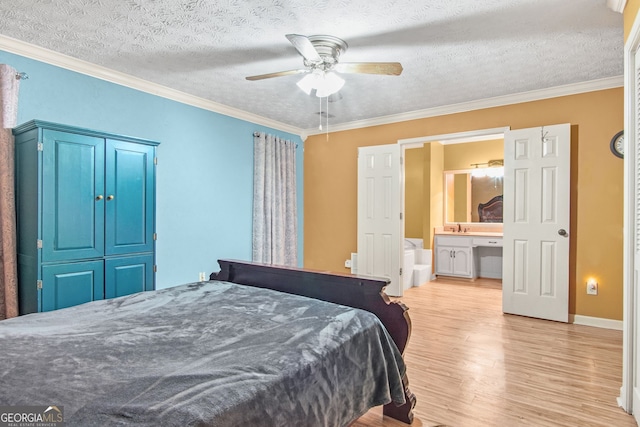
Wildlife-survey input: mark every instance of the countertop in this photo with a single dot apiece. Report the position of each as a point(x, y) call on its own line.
point(470, 233)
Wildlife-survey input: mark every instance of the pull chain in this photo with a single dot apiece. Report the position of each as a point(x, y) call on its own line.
point(327, 118)
point(320, 114)
point(327, 115)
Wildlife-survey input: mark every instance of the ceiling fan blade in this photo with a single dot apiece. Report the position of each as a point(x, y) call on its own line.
point(304, 47)
point(278, 74)
point(388, 68)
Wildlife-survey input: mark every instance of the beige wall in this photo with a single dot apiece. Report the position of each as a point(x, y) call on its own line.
point(434, 216)
point(414, 192)
point(462, 156)
point(330, 186)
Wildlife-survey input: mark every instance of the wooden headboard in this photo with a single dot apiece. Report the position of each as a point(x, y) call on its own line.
point(361, 292)
point(491, 211)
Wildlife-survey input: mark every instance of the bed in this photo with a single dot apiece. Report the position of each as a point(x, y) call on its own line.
point(255, 345)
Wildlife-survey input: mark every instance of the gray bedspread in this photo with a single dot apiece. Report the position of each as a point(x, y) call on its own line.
point(212, 353)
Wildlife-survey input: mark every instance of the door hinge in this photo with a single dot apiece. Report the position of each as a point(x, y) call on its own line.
point(155, 236)
point(400, 215)
point(39, 244)
point(155, 160)
point(155, 268)
point(39, 284)
point(401, 271)
point(40, 146)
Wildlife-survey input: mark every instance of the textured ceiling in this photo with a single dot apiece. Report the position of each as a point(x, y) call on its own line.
point(452, 51)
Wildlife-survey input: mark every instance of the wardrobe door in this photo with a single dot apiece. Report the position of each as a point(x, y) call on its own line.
point(68, 284)
point(72, 196)
point(129, 197)
point(128, 275)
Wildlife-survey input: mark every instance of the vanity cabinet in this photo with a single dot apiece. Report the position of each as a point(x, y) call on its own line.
point(469, 255)
point(454, 256)
point(85, 203)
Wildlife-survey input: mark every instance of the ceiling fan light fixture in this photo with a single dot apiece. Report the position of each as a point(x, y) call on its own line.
point(331, 83)
point(324, 83)
point(309, 82)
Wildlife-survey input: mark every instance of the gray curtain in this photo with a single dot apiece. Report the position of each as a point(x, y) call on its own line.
point(275, 231)
point(9, 85)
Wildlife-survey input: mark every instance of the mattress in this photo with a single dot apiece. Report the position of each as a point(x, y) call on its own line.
point(207, 354)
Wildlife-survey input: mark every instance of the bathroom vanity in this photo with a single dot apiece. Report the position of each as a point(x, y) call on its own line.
point(468, 254)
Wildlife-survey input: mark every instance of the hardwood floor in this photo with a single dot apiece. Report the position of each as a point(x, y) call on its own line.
point(471, 365)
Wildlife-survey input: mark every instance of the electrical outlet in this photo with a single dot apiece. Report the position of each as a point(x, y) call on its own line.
point(202, 276)
point(592, 288)
point(347, 264)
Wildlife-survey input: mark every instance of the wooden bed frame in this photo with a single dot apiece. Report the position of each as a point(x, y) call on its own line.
point(365, 293)
point(491, 211)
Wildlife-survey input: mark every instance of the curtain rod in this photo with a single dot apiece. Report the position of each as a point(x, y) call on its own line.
point(22, 76)
point(257, 134)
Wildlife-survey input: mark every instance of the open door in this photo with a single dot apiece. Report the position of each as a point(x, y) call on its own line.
point(379, 221)
point(535, 277)
point(629, 398)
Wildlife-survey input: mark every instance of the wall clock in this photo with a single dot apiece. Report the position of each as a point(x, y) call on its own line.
point(617, 144)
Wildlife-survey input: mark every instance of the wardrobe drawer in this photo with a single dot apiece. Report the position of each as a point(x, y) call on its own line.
point(487, 241)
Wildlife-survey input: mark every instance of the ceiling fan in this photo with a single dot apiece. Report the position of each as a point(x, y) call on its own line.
point(320, 55)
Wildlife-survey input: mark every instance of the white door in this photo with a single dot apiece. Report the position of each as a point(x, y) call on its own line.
point(629, 398)
point(379, 221)
point(535, 277)
point(631, 344)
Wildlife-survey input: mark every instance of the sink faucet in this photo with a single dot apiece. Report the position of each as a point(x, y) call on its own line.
point(459, 228)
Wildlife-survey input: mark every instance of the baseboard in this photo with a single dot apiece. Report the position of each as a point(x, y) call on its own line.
point(598, 322)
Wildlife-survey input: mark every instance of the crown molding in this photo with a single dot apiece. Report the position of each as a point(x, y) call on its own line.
point(57, 59)
point(617, 5)
point(518, 98)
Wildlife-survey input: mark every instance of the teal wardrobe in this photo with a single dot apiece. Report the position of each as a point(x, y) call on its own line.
point(85, 205)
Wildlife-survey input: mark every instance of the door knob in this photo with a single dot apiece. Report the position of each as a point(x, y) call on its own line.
point(562, 232)
point(110, 197)
point(99, 197)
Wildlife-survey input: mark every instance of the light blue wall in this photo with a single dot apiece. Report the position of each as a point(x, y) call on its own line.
point(205, 170)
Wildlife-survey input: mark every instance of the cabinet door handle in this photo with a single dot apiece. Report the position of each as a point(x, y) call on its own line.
point(110, 197)
point(99, 197)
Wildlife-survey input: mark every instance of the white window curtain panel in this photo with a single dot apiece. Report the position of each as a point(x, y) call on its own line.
point(275, 231)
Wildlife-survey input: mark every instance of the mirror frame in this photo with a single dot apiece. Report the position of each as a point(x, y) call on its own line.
point(485, 225)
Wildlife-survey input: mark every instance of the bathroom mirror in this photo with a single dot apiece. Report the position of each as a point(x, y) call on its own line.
point(473, 196)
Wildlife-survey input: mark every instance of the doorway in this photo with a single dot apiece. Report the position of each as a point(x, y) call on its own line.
point(536, 221)
point(428, 201)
